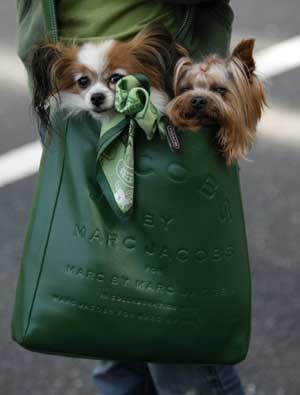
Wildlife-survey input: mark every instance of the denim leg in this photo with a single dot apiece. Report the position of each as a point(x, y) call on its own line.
point(123, 378)
point(195, 380)
point(226, 380)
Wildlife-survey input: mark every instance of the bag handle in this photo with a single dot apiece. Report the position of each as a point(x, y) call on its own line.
point(50, 19)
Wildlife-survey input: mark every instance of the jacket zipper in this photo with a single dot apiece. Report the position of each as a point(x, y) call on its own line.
point(185, 22)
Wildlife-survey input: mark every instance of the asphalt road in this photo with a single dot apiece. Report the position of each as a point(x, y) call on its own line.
point(271, 194)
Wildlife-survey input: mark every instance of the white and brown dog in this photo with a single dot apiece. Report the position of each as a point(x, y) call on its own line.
point(83, 78)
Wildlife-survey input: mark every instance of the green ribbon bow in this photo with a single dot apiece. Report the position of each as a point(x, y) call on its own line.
point(115, 158)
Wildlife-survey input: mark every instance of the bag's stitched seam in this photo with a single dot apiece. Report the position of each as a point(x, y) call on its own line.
point(244, 230)
point(48, 236)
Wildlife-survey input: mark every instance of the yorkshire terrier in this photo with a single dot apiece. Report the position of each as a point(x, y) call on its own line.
point(83, 78)
point(225, 92)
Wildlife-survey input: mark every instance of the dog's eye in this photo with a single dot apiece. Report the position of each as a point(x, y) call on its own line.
point(221, 90)
point(83, 82)
point(114, 78)
point(185, 88)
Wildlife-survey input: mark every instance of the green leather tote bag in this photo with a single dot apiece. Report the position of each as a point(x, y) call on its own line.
point(169, 284)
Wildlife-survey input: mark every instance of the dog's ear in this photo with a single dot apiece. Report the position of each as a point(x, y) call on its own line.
point(244, 53)
point(42, 61)
point(181, 67)
point(247, 98)
point(155, 45)
point(156, 48)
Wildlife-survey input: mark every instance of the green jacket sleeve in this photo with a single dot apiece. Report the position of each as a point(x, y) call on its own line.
point(30, 26)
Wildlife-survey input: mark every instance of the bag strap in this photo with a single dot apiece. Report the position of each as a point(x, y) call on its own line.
point(50, 19)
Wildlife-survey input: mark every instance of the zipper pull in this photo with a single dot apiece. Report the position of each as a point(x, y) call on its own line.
point(172, 137)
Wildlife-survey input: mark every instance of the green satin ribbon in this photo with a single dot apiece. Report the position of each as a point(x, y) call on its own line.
point(115, 158)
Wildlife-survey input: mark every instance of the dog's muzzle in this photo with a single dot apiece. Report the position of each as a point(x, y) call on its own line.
point(198, 103)
point(98, 99)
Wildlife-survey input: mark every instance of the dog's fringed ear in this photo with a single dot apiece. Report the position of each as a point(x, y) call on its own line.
point(42, 60)
point(248, 100)
point(182, 65)
point(244, 52)
point(156, 48)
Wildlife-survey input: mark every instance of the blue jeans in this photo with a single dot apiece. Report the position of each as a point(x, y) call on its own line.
point(130, 378)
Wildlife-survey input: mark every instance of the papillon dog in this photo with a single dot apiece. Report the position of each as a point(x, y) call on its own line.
point(225, 92)
point(83, 78)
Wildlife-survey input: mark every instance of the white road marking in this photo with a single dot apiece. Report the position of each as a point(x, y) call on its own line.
point(278, 124)
point(20, 163)
point(281, 126)
point(279, 58)
point(274, 60)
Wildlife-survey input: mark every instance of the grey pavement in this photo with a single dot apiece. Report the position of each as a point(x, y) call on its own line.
point(271, 195)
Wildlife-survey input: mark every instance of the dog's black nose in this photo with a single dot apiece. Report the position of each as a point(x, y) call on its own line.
point(198, 102)
point(97, 99)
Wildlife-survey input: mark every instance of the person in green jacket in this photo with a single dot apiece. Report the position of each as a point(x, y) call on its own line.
point(202, 27)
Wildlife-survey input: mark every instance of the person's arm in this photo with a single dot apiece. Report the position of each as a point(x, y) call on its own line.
point(30, 26)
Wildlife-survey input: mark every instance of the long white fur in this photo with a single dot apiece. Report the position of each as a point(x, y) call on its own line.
point(93, 55)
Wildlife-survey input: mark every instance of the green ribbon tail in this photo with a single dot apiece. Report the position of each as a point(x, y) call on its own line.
point(109, 148)
point(115, 158)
